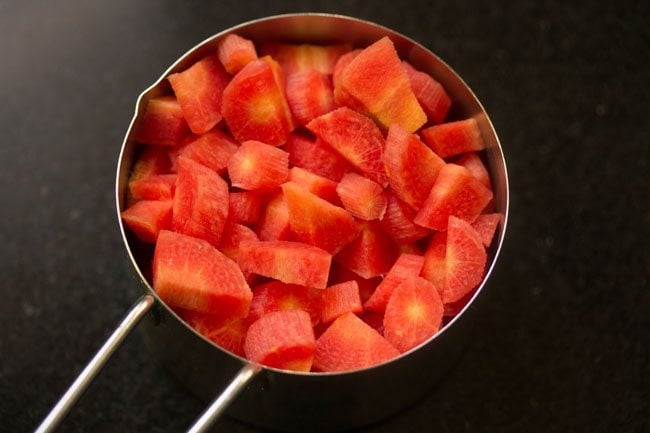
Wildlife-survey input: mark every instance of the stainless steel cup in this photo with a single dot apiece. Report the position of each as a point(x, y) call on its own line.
point(268, 397)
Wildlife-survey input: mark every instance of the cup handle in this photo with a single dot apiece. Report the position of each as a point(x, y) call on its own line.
point(219, 404)
point(60, 410)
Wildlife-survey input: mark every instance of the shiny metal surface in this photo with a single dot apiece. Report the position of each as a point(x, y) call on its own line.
point(60, 410)
point(216, 408)
point(314, 401)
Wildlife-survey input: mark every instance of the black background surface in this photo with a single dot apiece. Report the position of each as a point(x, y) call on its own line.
point(562, 340)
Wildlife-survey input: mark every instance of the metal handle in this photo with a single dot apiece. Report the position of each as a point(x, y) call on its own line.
point(216, 408)
point(60, 410)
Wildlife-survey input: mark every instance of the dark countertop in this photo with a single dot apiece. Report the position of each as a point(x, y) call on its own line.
point(562, 340)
